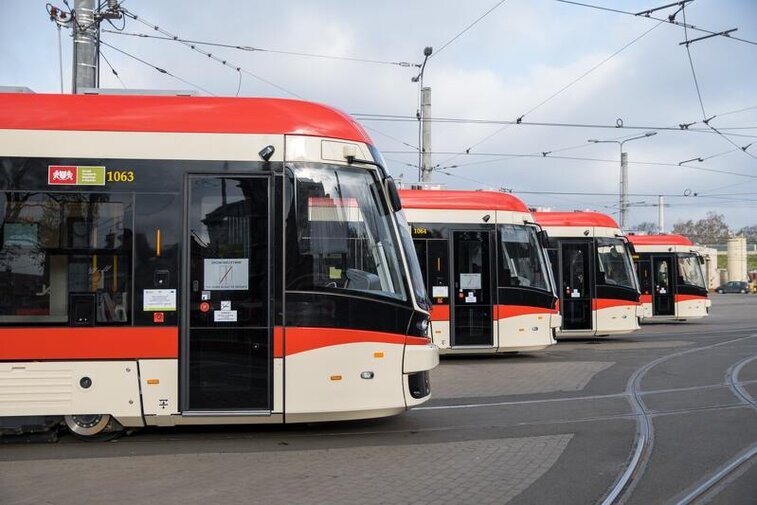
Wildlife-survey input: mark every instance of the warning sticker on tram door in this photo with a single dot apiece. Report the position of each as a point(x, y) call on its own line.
point(225, 315)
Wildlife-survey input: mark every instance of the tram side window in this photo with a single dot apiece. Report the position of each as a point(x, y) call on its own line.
point(339, 234)
point(65, 259)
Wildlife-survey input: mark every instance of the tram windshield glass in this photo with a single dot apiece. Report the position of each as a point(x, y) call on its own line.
point(614, 263)
point(416, 276)
point(690, 271)
point(339, 233)
point(522, 260)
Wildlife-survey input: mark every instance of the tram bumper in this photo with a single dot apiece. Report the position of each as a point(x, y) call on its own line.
point(555, 320)
point(418, 360)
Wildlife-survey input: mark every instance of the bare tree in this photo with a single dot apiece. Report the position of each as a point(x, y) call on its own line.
point(710, 230)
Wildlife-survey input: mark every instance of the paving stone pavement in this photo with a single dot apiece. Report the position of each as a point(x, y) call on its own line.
point(475, 472)
point(504, 377)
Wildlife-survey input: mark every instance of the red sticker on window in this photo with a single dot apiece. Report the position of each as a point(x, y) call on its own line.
point(158, 317)
point(61, 174)
point(204, 307)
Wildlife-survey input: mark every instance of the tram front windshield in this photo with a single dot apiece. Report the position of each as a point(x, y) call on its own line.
point(416, 276)
point(522, 259)
point(339, 233)
point(690, 271)
point(614, 263)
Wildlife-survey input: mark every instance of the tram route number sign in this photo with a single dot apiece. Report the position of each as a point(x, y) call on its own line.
point(226, 274)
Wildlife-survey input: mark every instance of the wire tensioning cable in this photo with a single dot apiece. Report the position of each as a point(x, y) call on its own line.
point(113, 70)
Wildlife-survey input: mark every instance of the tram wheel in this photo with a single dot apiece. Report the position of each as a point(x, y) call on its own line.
point(93, 427)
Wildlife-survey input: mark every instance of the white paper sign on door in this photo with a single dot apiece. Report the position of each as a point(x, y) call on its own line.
point(226, 274)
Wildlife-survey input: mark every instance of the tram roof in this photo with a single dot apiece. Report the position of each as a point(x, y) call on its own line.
point(666, 239)
point(176, 114)
point(575, 219)
point(460, 200)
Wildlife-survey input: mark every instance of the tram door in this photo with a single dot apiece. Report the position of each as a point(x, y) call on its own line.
point(226, 351)
point(575, 297)
point(644, 273)
point(471, 322)
point(663, 299)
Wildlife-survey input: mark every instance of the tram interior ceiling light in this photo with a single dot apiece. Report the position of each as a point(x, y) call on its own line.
point(267, 152)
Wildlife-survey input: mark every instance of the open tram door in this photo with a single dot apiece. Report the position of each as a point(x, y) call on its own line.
point(226, 339)
point(471, 310)
point(663, 267)
point(576, 294)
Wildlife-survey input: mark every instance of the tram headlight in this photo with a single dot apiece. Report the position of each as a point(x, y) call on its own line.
point(423, 326)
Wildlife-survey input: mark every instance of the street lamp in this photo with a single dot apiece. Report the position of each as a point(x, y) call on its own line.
point(623, 197)
point(423, 103)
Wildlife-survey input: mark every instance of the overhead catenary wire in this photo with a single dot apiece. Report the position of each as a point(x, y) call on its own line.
point(113, 70)
point(666, 20)
point(482, 16)
point(363, 116)
point(155, 67)
point(519, 120)
point(691, 64)
point(222, 61)
point(575, 158)
point(403, 64)
point(706, 120)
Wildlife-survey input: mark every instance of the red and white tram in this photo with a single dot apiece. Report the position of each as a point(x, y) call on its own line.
point(184, 260)
point(599, 293)
point(670, 273)
point(485, 269)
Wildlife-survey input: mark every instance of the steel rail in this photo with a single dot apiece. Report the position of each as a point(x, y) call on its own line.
point(715, 482)
point(625, 484)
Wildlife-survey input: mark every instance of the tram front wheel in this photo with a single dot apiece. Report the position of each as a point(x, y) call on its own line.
point(93, 427)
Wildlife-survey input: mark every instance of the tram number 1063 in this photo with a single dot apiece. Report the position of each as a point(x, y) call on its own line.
point(119, 176)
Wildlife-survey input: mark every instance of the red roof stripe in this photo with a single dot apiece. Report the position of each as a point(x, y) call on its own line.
point(575, 219)
point(175, 114)
point(669, 239)
point(460, 200)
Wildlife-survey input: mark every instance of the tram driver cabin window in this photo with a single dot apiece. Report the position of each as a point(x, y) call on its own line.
point(65, 259)
point(339, 234)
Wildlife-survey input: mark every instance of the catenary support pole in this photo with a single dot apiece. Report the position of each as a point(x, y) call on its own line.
point(426, 126)
point(85, 46)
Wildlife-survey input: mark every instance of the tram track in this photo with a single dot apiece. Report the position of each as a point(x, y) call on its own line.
point(644, 441)
point(716, 482)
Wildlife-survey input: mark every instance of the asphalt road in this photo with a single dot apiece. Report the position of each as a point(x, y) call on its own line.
point(659, 416)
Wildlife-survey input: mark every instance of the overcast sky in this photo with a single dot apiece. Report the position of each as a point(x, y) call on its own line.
point(506, 65)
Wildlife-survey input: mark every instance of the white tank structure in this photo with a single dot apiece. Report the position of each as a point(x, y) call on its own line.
point(736, 250)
